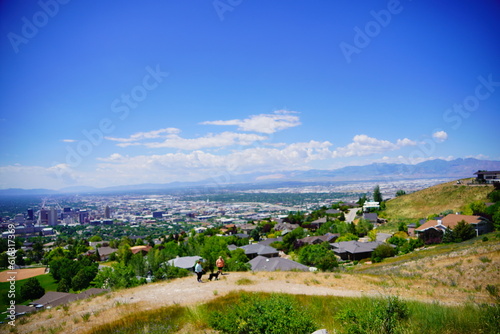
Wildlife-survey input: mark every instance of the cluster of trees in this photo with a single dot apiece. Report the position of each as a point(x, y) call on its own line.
point(403, 244)
point(28, 257)
point(132, 269)
point(71, 274)
point(491, 212)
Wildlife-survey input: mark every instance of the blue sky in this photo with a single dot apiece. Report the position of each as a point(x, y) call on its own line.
point(126, 92)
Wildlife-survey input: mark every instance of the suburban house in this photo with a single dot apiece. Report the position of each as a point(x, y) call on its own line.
point(53, 298)
point(140, 249)
point(262, 263)
point(254, 250)
point(285, 227)
point(354, 250)
point(318, 222)
point(269, 241)
point(185, 262)
point(247, 228)
point(104, 252)
point(333, 212)
point(435, 228)
point(329, 237)
point(371, 217)
point(483, 176)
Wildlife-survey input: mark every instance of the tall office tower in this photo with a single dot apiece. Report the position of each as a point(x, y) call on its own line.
point(30, 214)
point(83, 216)
point(52, 217)
point(107, 212)
point(44, 216)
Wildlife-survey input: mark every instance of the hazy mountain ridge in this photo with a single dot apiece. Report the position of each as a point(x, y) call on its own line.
point(458, 168)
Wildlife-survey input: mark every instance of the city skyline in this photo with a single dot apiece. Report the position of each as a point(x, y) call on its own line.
point(107, 94)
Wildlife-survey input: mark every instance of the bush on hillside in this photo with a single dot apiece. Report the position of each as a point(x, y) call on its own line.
point(254, 314)
point(383, 251)
point(387, 316)
point(319, 256)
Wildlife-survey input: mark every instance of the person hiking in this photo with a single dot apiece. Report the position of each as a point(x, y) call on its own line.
point(198, 269)
point(220, 264)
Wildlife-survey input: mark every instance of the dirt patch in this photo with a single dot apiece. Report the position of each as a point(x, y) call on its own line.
point(21, 273)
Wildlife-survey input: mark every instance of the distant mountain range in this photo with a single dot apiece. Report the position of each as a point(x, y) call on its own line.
point(456, 169)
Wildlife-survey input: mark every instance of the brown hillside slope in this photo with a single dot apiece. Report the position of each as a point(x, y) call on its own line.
point(450, 274)
point(436, 199)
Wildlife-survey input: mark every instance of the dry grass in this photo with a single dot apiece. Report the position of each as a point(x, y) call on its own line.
point(436, 199)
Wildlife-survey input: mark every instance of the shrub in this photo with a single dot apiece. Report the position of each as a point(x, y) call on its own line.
point(253, 314)
point(318, 256)
point(387, 316)
point(383, 251)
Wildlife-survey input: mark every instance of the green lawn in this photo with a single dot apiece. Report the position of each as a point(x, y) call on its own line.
point(46, 280)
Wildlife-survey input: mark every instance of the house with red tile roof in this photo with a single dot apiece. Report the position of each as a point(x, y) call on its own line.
point(436, 228)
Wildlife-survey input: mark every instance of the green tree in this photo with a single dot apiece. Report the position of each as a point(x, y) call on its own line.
point(383, 251)
point(124, 253)
point(255, 234)
point(4, 260)
point(212, 249)
point(478, 207)
point(95, 238)
point(62, 268)
point(63, 286)
point(347, 237)
point(494, 196)
point(377, 195)
point(361, 201)
point(138, 264)
point(83, 278)
point(463, 231)
point(400, 193)
point(116, 277)
point(319, 256)
point(32, 289)
point(289, 240)
point(344, 228)
point(363, 227)
point(170, 250)
point(238, 261)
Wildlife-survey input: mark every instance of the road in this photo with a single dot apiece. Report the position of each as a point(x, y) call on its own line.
point(351, 215)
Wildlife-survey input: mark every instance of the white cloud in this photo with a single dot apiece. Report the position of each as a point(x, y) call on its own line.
point(220, 140)
point(408, 161)
point(161, 133)
point(199, 165)
point(68, 140)
point(405, 142)
point(480, 157)
point(440, 136)
point(29, 177)
point(363, 145)
point(263, 123)
point(211, 140)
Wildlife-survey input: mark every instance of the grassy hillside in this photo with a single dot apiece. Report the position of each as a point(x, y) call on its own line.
point(436, 199)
